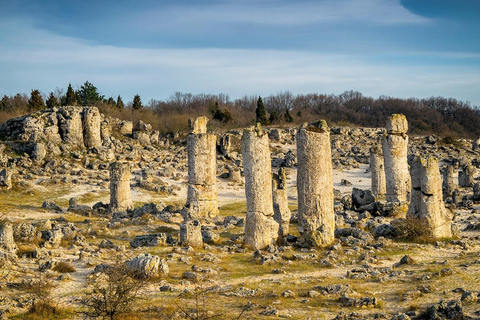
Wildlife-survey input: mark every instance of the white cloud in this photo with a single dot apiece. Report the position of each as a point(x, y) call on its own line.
point(31, 58)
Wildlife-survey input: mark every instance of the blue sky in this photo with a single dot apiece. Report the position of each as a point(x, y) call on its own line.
point(413, 48)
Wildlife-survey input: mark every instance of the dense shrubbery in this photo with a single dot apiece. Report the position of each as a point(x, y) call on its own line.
point(442, 116)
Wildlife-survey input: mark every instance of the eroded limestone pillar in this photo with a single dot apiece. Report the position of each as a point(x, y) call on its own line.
point(92, 121)
point(261, 229)
point(316, 215)
point(427, 210)
point(70, 125)
point(377, 169)
point(120, 195)
point(281, 212)
point(202, 171)
point(191, 234)
point(466, 176)
point(397, 175)
point(448, 184)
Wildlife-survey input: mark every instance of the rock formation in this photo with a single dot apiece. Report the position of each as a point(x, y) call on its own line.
point(466, 176)
point(377, 169)
point(316, 215)
point(395, 149)
point(427, 210)
point(448, 184)
point(476, 144)
point(202, 170)
point(70, 125)
point(281, 212)
point(120, 195)
point(261, 229)
point(476, 192)
point(191, 234)
point(92, 121)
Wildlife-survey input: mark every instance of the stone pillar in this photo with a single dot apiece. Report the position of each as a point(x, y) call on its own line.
point(7, 242)
point(191, 234)
point(316, 217)
point(377, 169)
point(261, 229)
point(70, 125)
point(120, 196)
point(395, 149)
point(202, 171)
point(281, 212)
point(6, 178)
point(466, 176)
point(476, 144)
point(448, 184)
point(92, 121)
point(476, 192)
point(427, 210)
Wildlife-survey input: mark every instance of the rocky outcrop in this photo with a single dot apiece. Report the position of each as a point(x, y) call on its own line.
point(316, 216)
point(427, 210)
point(147, 265)
point(92, 122)
point(261, 229)
point(202, 166)
point(120, 195)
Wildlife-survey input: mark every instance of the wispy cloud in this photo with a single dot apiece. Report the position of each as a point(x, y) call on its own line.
point(27, 62)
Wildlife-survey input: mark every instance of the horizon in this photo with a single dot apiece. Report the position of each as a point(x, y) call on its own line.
point(401, 49)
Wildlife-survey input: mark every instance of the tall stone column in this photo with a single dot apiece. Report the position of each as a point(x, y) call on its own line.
point(281, 212)
point(91, 120)
point(316, 215)
point(466, 176)
point(202, 171)
point(261, 229)
point(70, 125)
point(120, 195)
point(395, 149)
point(377, 169)
point(427, 210)
point(448, 184)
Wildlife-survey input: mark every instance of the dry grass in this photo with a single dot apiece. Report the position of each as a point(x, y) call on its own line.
point(64, 267)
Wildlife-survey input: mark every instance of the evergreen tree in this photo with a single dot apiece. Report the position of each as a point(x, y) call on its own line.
point(71, 98)
point(88, 94)
point(4, 103)
point(288, 116)
point(137, 103)
point(51, 101)
point(36, 101)
point(261, 113)
point(111, 102)
point(120, 104)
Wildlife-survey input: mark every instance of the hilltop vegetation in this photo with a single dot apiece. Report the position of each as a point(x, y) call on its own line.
point(434, 115)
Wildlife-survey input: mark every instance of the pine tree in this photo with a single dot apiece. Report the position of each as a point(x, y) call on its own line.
point(36, 101)
point(88, 94)
point(137, 103)
point(288, 116)
point(51, 101)
point(111, 103)
point(261, 113)
point(71, 98)
point(120, 104)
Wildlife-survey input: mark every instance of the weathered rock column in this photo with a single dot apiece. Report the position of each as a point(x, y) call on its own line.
point(395, 149)
point(191, 234)
point(316, 215)
point(427, 210)
point(70, 125)
point(281, 212)
point(377, 169)
point(92, 121)
point(476, 192)
point(466, 176)
point(261, 229)
point(448, 184)
point(202, 170)
point(476, 144)
point(120, 195)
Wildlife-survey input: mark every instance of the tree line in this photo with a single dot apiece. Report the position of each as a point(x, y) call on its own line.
point(434, 115)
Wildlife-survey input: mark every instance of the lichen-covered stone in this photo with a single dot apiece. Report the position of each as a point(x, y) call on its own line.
point(377, 169)
point(281, 212)
point(427, 209)
point(92, 121)
point(202, 170)
point(120, 195)
point(466, 177)
point(261, 229)
point(191, 234)
point(147, 265)
point(395, 150)
point(316, 214)
point(448, 184)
